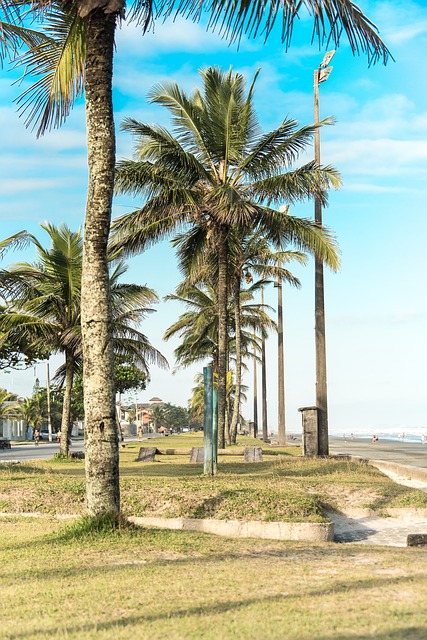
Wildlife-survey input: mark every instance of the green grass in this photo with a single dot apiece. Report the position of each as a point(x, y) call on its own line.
point(283, 487)
point(80, 581)
point(90, 579)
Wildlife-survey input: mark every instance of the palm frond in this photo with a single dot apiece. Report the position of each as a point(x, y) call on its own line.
point(331, 18)
point(58, 61)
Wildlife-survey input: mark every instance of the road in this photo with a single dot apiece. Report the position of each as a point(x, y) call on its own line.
point(45, 450)
point(23, 452)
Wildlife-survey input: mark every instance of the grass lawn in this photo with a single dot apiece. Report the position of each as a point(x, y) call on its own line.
point(59, 581)
point(152, 584)
point(283, 487)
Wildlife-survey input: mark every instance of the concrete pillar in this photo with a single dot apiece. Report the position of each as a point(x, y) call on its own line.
point(310, 443)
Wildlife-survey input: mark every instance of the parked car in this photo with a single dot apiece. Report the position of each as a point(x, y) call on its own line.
point(44, 434)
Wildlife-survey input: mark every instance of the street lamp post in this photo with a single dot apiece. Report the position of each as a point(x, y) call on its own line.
point(281, 416)
point(320, 75)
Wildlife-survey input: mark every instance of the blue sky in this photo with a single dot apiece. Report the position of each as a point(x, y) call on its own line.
point(376, 309)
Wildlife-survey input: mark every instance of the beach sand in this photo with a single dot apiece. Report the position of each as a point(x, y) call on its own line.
point(407, 453)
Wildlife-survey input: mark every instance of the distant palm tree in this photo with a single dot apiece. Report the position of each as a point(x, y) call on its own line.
point(157, 417)
point(27, 411)
point(198, 325)
point(45, 302)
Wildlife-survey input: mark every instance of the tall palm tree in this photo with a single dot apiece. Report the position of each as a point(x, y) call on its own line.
point(45, 308)
point(252, 254)
point(220, 172)
point(82, 57)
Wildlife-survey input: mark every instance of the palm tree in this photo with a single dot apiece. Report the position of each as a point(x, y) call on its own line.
point(217, 173)
point(157, 417)
point(80, 55)
point(26, 410)
point(46, 306)
point(198, 326)
point(90, 39)
point(251, 255)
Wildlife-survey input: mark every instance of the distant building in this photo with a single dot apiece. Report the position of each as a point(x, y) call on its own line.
point(143, 413)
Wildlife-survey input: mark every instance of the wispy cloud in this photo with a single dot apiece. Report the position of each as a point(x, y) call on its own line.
point(400, 22)
point(179, 35)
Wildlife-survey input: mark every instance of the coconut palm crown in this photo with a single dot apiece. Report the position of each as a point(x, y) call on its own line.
point(45, 304)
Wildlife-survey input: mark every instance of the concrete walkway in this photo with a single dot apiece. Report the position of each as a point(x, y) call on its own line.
point(388, 531)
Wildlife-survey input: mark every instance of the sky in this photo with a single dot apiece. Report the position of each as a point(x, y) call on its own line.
point(376, 311)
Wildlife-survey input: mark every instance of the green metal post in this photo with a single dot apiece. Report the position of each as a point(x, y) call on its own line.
point(207, 424)
point(214, 430)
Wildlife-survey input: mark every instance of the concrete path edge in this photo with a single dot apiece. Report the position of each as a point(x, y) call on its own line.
point(297, 531)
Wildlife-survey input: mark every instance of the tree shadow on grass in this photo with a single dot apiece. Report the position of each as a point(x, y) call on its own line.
point(226, 606)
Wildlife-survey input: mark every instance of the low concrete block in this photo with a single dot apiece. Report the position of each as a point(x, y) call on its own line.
point(252, 454)
point(416, 540)
point(146, 454)
point(303, 531)
point(197, 455)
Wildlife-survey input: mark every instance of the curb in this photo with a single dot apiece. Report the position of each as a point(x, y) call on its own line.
point(403, 470)
point(296, 531)
point(290, 531)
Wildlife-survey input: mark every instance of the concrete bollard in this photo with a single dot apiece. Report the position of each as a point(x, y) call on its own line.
point(310, 443)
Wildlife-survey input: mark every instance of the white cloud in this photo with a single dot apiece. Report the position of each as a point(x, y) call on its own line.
point(373, 188)
point(400, 22)
point(381, 157)
point(180, 35)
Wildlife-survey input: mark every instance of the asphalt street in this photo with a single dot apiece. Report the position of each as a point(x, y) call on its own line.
point(24, 451)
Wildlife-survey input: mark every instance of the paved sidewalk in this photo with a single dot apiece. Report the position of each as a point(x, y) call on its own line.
point(392, 532)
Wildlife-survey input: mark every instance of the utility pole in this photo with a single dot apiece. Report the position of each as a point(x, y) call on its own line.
point(49, 417)
point(320, 75)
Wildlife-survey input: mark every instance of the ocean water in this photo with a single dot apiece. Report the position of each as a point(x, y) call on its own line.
point(410, 436)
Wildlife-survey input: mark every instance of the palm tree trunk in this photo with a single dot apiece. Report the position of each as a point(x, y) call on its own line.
point(101, 433)
point(281, 426)
point(222, 334)
point(263, 380)
point(66, 406)
point(255, 429)
point(237, 319)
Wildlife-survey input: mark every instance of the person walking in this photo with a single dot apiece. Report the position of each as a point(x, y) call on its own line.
point(36, 437)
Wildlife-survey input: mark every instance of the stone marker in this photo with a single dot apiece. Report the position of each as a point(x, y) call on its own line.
point(253, 454)
point(146, 454)
point(416, 540)
point(197, 455)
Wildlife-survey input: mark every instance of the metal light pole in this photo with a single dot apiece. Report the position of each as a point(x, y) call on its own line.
point(281, 415)
point(320, 75)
